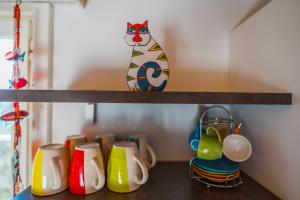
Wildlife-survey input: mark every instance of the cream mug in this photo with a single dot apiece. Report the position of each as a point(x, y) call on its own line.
point(125, 167)
point(72, 141)
point(50, 170)
point(146, 151)
point(86, 171)
point(106, 142)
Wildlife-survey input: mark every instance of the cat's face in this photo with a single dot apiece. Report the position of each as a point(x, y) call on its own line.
point(137, 34)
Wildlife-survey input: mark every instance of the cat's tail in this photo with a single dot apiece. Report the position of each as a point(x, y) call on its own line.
point(143, 81)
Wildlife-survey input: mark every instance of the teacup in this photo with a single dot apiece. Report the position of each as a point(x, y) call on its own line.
point(209, 146)
point(72, 141)
point(195, 137)
point(146, 151)
point(126, 171)
point(237, 148)
point(106, 142)
point(50, 170)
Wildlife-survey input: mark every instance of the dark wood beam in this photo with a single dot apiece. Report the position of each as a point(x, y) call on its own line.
point(142, 97)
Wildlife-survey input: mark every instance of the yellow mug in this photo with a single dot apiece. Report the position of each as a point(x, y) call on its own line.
point(126, 171)
point(50, 170)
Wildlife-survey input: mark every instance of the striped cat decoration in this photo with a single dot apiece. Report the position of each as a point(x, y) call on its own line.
point(148, 70)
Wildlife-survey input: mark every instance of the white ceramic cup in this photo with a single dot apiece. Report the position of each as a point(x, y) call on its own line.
point(146, 151)
point(72, 141)
point(237, 148)
point(106, 141)
point(50, 170)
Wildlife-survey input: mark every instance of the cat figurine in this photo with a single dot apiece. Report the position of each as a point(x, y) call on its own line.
point(148, 70)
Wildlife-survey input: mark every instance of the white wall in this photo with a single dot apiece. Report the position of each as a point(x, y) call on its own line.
point(265, 57)
point(90, 53)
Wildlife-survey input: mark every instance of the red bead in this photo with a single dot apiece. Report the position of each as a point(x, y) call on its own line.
point(12, 116)
point(20, 83)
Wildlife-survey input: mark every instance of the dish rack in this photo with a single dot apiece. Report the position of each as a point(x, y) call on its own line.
point(225, 184)
point(206, 121)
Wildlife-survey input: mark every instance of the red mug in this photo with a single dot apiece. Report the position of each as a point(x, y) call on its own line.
point(86, 171)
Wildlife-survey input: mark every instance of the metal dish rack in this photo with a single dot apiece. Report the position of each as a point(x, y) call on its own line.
point(204, 121)
point(226, 184)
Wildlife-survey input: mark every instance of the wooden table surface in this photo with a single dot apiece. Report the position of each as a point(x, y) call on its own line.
point(169, 180)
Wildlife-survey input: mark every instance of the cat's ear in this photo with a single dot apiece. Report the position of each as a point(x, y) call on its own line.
point(145, 24)
point(129, 25)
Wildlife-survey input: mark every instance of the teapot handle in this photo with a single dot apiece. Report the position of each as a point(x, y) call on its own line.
point(195, 144)
point(217, 132)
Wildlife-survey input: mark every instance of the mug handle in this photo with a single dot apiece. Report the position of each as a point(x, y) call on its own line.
point(100, 174)
point(153, 157)
point(144, 171)
point(56, 173)
point(195, 144)
point(217, 132)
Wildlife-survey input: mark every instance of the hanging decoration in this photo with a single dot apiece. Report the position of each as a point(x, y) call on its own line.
point(16, 82)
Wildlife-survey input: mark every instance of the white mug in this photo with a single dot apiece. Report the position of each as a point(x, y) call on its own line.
point(106, 142)
point(146, 151)
point(50, 170)
point(237, 148)
point(72, 141)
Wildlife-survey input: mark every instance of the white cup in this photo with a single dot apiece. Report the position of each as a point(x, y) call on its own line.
point(106, 142)
point(146, 151)
point(237, 148)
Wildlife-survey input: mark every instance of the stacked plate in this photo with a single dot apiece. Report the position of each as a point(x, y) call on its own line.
point(218, 173)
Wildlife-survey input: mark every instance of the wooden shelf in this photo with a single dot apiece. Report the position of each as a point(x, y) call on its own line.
point(170, 180)
point(141, 97)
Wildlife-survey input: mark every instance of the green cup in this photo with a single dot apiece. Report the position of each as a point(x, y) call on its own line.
point(210, 147)
point(126, 171)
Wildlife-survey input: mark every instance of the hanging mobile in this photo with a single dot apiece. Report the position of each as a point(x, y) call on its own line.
point(17, 83)
point(17, 181)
